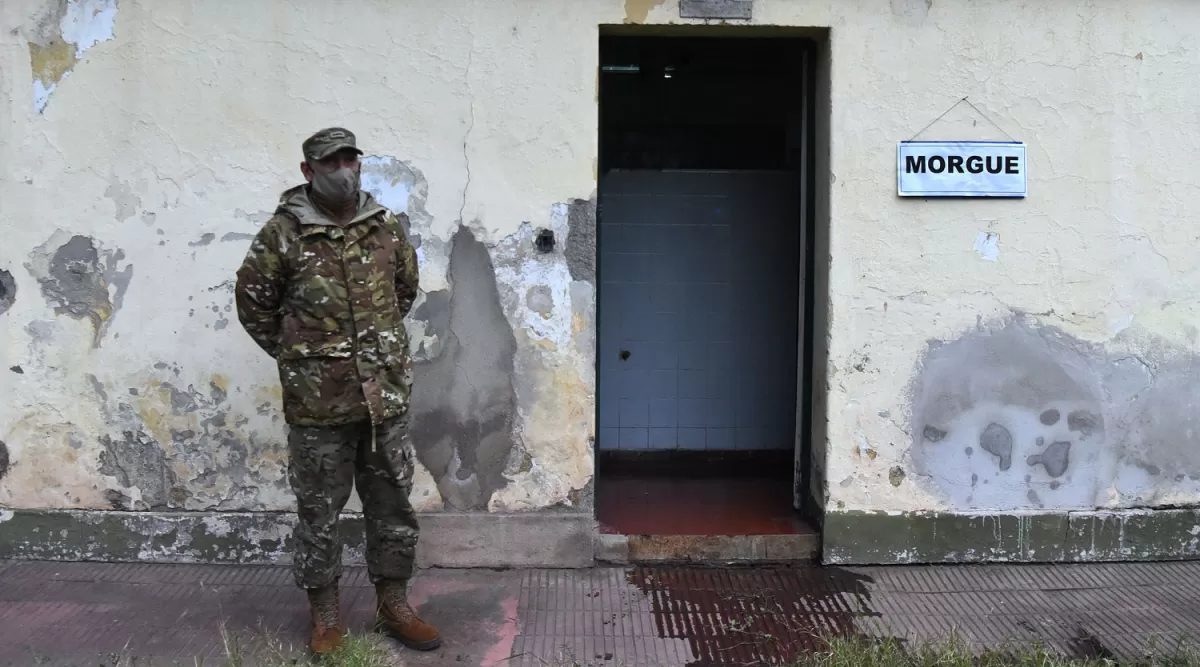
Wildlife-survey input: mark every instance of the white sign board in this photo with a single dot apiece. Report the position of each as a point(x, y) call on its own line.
point(960, 169)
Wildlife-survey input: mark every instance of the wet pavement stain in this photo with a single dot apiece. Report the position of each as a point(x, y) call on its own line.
point(760, 616)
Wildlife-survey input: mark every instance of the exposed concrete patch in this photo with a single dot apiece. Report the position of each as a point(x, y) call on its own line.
point(258, 219)
point(4, 460)
point(81, 279)
point(8, 291)
point(236, 236)
point(138, 464)
point(64, 33)
point(996, 440)
point(434, 314)
point(204, 240)
point(581, 239)
point(1077, 424)
point(184, 448)
point(463, 402)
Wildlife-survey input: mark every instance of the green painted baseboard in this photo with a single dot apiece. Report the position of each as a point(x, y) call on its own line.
point(448, 539)
point(882, 538)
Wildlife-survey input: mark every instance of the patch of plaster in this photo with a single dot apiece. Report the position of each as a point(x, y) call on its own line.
point(463, 403)
point(65, 32)
point(581, 239)
point(1079, 425)
point(80, 278)
point(433, 314)
point(8, 291)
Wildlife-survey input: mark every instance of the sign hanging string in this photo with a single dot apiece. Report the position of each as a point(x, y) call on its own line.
point(955, 106)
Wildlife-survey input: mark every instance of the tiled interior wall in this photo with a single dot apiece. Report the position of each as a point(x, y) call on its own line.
point(699, 285)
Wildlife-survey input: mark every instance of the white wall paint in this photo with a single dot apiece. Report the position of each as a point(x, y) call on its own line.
point(188, 121)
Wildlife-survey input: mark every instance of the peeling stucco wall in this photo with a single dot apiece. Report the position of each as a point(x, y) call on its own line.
point(148, 154)
point(143, 144)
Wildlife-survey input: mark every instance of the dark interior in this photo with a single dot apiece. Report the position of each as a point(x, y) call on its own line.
point(705, 103)
point(701, 103)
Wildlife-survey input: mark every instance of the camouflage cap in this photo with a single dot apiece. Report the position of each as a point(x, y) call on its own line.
point(327, 142)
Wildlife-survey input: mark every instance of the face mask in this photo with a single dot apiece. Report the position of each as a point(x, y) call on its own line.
point(336, 187)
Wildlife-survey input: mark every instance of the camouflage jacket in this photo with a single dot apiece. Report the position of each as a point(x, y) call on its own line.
point(328, 303)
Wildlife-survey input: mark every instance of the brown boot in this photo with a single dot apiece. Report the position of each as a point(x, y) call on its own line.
point(396, 618)
point(327, 626)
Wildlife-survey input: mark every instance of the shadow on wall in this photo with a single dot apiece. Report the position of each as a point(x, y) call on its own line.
point(1022, 417)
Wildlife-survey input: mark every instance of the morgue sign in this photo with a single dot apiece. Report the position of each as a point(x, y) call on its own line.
point(960, 169)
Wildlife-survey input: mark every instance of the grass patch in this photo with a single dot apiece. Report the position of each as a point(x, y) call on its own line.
point(955, 653)
point(269, 649)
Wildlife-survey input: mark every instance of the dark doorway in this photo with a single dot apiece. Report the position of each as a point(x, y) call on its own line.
point(705, 150)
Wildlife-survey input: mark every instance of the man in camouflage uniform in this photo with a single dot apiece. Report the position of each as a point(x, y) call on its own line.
point(324, 290)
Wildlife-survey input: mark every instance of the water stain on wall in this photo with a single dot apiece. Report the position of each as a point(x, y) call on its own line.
point(1069, 423)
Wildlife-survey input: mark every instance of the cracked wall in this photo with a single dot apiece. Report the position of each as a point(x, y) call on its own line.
point(142, 147)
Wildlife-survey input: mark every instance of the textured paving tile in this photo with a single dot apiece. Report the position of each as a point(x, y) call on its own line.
point(75, 614)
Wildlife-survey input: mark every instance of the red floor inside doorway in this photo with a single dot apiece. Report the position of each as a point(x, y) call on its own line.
point(649, 504)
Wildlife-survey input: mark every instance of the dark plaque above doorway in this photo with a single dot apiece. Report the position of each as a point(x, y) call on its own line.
point(716, 9)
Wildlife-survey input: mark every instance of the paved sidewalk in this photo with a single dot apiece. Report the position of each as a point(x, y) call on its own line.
point(76, 613)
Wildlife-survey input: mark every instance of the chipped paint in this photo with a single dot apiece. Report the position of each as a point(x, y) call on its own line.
point(987, 246)
point(68, 30)
point(81, 279)
point(638, 11)
point(8, 291)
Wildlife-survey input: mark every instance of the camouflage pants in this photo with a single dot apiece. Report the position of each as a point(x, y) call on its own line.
point(324, 463)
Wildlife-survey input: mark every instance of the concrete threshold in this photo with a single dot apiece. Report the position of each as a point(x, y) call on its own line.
point(706, 549)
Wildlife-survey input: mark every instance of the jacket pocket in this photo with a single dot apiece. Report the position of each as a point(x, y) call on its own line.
point(308, 344)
